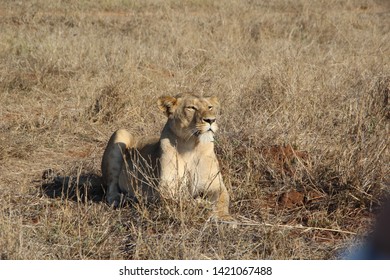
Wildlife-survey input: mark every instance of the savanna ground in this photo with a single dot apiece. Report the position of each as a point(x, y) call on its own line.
point(303, 140)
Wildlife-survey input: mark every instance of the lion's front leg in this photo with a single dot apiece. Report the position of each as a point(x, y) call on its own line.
point(169, 186)
point(219, 197)
point(172, 176)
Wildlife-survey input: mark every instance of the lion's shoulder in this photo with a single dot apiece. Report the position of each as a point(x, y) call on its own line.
point(148, 146)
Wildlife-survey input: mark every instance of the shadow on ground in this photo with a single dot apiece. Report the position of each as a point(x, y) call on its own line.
point(85, 187)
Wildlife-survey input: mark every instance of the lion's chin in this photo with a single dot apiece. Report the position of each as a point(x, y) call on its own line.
point(206, 137)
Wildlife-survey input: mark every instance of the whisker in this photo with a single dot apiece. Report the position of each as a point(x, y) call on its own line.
point(195, 131)
point(190, 133)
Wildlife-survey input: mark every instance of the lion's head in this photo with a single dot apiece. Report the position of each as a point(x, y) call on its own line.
point(191, 116)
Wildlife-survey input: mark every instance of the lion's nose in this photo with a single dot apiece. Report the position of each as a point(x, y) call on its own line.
point(209, 120)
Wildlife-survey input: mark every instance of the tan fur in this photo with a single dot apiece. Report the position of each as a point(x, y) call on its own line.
point(183, 156)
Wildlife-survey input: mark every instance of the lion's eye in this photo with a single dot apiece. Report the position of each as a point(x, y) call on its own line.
point(192, 108)
point(211, 108)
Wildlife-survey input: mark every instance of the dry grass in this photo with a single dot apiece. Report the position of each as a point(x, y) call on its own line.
point(304, 128)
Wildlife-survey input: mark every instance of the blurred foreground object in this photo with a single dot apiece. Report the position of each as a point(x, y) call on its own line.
point(377, 245)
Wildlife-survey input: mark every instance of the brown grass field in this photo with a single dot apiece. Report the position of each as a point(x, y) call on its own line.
point(304, 128)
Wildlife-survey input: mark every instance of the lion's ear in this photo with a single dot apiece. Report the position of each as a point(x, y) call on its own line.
point(167, 104)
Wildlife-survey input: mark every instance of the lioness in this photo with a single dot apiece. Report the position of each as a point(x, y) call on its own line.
point(182, 156)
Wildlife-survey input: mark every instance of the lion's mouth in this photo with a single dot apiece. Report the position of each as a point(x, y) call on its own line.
point(205, 133)
point(201, 131)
